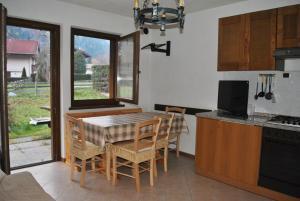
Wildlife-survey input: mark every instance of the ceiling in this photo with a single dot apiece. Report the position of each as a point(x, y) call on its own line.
point(124, 7)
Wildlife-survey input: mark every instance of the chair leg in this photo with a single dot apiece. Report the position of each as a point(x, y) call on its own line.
point(151, 171)
point(83, 173)
point(166, 159)
point(155, 168)
point(93, 163)
point(107, 162)
point(72, 166)
point(177, 146)
point(114, 170)
point(137, 177)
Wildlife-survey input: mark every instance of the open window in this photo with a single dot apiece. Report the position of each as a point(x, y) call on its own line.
point(104, 69)
point(128, 68)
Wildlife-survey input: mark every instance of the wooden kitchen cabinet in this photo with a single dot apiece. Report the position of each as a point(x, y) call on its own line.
point(247, 42)
point(231, 49)
point(288, 33)
point(230, 151)
point(261, 37)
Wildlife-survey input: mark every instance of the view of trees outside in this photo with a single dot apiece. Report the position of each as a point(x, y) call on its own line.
point(91, 68)
point(28, 69)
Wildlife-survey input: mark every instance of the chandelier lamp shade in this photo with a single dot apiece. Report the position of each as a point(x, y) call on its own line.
point(157, 15)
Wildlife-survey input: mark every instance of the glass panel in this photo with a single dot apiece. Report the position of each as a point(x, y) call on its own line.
point(125, 69)
point(28, 87)
point(91, 68)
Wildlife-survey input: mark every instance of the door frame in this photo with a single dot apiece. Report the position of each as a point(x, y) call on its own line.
point(4, 152)
point(54, 82)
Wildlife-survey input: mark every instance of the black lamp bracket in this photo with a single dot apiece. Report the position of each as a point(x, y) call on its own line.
point(156, 47)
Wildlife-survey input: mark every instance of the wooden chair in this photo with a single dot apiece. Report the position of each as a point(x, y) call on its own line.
point(162, 142)
point(137, 152)
point(82, 149)
point(174, 138)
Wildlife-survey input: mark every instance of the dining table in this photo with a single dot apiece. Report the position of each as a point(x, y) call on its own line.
point(106, 130)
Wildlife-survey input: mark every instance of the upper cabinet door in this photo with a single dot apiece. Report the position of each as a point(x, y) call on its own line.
point(231, 55)
point(288, 27)
point(261, 34)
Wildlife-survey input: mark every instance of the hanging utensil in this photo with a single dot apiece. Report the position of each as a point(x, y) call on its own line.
point(269, 95)
point(262, 93)
point(266, 83)
point(256, 94)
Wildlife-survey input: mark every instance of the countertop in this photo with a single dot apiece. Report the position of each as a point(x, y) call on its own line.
point(255, 120)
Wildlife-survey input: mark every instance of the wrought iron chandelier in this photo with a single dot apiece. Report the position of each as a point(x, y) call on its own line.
point(159, 16)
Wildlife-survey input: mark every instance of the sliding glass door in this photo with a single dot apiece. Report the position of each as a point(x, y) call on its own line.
point(29, 92)
point(32, 82)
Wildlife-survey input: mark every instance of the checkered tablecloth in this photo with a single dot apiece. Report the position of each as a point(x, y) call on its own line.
point(116, 128)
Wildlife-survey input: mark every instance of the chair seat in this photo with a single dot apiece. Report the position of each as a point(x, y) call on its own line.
point(127, 151)
point(161, 141)
point(90, 151)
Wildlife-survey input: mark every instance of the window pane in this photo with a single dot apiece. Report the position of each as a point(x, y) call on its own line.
point(91, 68)
point(125, 69)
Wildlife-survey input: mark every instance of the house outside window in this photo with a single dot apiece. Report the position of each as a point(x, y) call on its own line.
point(21, 57)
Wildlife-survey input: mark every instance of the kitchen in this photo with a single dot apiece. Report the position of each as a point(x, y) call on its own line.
point(254, 135)
point(189, 77)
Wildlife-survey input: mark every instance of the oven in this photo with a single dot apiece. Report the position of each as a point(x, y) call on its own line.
point(280, 161)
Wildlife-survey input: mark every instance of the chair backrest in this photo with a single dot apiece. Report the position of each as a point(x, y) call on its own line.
point(179, 110)
point(144, 130)
point(166, 125)
point(76, 128)
point(175, 110)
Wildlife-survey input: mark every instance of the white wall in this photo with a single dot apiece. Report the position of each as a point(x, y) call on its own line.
point(286, 91)
point(189, 76)
point(67, 15)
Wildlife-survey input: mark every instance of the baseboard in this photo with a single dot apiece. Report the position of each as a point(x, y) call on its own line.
point(191, 156)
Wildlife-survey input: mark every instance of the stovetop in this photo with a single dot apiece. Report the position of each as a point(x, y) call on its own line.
point(285, 120)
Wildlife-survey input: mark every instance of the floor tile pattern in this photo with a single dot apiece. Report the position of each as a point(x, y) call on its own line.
point(179, 184)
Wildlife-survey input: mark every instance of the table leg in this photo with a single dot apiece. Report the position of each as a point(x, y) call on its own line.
point(107, 160)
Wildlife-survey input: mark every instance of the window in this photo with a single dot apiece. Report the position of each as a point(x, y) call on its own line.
point(127, 68)
point(104, 69)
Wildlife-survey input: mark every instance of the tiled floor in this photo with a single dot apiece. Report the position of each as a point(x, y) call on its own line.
point(179, 184)
point(25, 153)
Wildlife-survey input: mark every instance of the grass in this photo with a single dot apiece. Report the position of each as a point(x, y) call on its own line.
point(27, 105)
point(36, 132)
point(10, 85)
point(87, 93)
